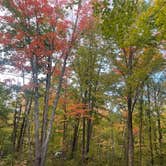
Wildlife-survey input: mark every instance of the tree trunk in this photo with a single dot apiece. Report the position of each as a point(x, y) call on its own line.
point(159, 130)
point(130, 134)
point(36, 110)
point(75, 137)
point(29, 140)
point(59, 86)
point(159, 134)
point(65, 121)
point(140, 130)
point(83, 138)
point(150, 127)
point(24, 124)
point(89, 120)
point(89, 132)
point(64, 132)
point(45, 144)
point(14, 134)
point(46, 101)
point(125, 143)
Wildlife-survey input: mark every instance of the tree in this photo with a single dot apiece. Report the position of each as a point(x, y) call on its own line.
point(94, 93)
point(133, 45)
point(40, 33)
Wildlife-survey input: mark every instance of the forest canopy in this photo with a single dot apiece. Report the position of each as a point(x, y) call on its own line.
point(90, 86)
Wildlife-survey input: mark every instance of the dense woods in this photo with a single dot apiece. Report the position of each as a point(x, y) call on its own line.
point(90, 86)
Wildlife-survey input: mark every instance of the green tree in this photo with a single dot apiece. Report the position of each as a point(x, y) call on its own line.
point(128, 27)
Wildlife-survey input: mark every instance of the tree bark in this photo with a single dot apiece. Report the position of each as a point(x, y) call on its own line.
point(89, 132)
point(89, 120)
point(130, 140)
point(24, 125)
point(159, 133)
point(65, 122)
point(150, 127)
point(83, 138)
point(45, 144)
point(130, 108)
point(130, 134)
point(14, 134)
point(66, 55)
point(46, 101)
point(75, 137)
point(140, 129)
point(36, 109)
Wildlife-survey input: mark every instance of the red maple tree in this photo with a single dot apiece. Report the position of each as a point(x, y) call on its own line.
point(38, 34)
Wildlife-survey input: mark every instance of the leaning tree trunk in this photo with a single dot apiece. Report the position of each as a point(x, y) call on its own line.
point(66, 55)
point(50, 125)
point(24, 124)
